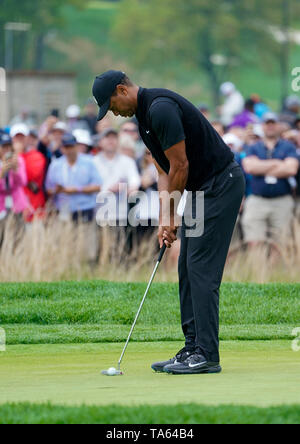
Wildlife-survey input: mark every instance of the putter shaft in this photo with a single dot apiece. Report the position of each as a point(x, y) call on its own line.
point(162, 251)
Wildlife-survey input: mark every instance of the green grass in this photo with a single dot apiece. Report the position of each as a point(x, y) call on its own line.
point(100, 302)
point(61, 335)
point(165, 414)
point(255, 373)
point(75, 334)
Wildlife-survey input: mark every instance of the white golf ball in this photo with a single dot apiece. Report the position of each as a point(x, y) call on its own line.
point(111, 371)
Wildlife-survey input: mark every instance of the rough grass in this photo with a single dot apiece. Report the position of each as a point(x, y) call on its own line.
point(180, 414)
point(100, 302)
point(76, 334)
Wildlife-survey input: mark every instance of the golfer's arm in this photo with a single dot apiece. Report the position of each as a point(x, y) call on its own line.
point(175, 181)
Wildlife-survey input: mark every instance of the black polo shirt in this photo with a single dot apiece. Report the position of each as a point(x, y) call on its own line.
point(165, 119)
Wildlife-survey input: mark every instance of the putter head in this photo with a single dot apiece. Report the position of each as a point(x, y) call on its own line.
point(112, 372)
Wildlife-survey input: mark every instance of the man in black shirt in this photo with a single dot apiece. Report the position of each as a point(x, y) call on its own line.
point(189, 154)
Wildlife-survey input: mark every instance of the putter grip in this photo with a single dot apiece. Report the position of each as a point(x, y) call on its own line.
point(162, 252)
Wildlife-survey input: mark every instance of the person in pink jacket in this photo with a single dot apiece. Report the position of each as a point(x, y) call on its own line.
point(12, 180)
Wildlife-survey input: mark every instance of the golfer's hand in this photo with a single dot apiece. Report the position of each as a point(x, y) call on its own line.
point(167, 235)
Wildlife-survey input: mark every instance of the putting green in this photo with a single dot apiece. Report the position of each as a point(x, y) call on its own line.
point(260, 373)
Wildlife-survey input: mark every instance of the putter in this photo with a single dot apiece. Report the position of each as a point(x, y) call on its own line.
point(117, 371)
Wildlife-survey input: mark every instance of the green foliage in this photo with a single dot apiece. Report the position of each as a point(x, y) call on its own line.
point(42, 14)
point(25, 413)
point(156, 31)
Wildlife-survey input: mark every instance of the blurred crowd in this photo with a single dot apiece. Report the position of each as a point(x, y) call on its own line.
point(61, 166)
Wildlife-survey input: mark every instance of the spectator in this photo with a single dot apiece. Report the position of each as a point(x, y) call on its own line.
point(104, 124)
point(12, 180)
point(293, 136)
point(297, 123)
point(298, 186)
point(204, 109)
point(130, 128)
point(73, 119)
point(84, 141)
point(247, 116)
point(260, 108)
point(117, 172)
point(291, 110)
point(50, 144)
point(25, 117)
point(73, 181)
point(90, 116)
point(146, 212)
point(233, 104)
point(35, 164)
point(254, 134)
point(33, 139)
point(19, 134)
point(218, 126)
point(127, 146)
point(269, 210)
point(234, 143)
point(96, 148)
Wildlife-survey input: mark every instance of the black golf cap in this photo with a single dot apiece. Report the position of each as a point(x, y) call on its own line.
point(103, 88)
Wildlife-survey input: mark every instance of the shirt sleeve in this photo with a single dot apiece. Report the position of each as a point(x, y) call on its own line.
point(133, 177)
point(50, 182)
point(95, 176)
point(291, 151)
point(19, 177)
point(166, 122)
point(250, 151)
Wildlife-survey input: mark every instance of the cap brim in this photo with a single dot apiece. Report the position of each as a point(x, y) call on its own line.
point(104, 109)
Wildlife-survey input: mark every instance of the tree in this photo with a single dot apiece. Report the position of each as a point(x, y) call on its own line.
point(215, 36)
point(43, 15)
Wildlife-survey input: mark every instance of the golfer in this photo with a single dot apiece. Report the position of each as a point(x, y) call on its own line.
point(189, 155)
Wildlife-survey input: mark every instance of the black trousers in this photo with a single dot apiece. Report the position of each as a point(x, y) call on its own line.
point(202, 260)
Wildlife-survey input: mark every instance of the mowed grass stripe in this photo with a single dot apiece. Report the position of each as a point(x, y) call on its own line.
point(100, 302)
point(178, 414)
point(72, 334)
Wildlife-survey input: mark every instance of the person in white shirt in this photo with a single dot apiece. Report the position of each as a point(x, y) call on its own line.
point(120, 176)
point(233, 104)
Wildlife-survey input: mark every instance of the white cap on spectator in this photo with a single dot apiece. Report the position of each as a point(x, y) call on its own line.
point(232, 139)
point(292, 101)
point(270, 117)
point(73, 112)
point(227, 88)
point(19, 128)
point(83, 137)
point(258, 130)
point(60, 126)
